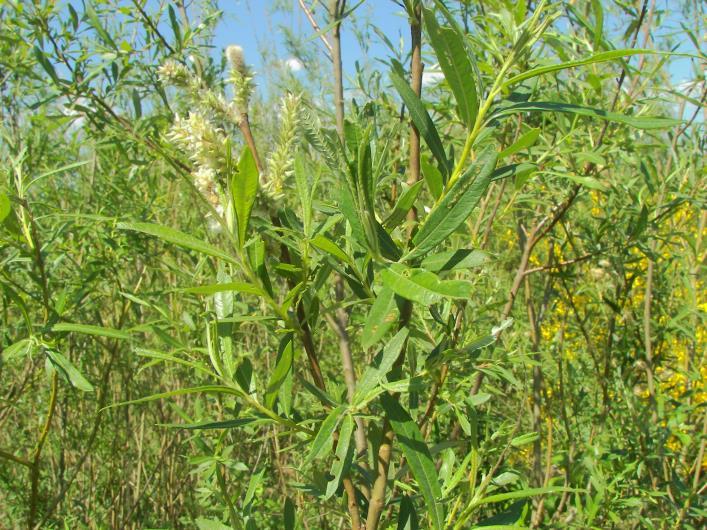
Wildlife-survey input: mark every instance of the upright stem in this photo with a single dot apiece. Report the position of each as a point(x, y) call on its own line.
point(377, 501)
point(336, 8)
point(37, 453)
point(385, 450)
point(416, 85)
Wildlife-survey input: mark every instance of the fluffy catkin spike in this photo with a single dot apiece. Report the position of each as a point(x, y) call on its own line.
point(234, 54)
point(280, 162)
point(203, 142)
point(240, 77)
point(218, 106)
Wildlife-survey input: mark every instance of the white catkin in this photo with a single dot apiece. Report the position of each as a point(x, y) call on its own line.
point(240, 78)
point(173, 73)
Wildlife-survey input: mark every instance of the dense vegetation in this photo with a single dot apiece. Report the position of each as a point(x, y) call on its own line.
point(476, 300)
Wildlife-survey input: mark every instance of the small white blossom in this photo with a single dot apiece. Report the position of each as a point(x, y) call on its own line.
point(172, 72)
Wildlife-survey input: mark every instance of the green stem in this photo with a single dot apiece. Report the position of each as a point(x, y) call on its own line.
point(37, 453)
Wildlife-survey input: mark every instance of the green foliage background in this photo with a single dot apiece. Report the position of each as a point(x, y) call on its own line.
point(200, 333)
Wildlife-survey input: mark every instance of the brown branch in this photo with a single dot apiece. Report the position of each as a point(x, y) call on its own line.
point(17, 459)
point(152, 26)
point(416, 85)
point(556, 266)
point(315, 26)
point(244, 126)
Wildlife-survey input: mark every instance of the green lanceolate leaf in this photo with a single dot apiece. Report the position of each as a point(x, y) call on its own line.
point(381, 317)
point(456, 206)
point(454, 260)
point(240, 287)
point(422, 286)
point(638, 122)
point(592, 59)
point(46, 64)
point(178, 238)
point(526, 140)
point(321, 445)
point(419, 116)
point(385, 244)
point(69, 370)
point(206, 389)
point(342, 457)
point(18, 349)
point(373, 375)
point(283, 368)
point(407, 516)
point(87, 329)
point(403, 206)
point(454, 60)
point(210, 425)
point(433, 177)
point(161, 356)
point(244, 187)
point(95, 22)
point(418, 456)
point(328, 246)
point(348, 208)
point(521, 494)
point(519, 172)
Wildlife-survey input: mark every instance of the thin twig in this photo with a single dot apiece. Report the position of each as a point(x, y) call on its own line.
point(310, 16)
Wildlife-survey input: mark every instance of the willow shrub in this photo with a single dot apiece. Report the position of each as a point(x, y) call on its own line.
point(410, 430)
point(409, 276)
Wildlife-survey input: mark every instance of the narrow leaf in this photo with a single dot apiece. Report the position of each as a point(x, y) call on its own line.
point(419, 116)
point(244, 187)
point(530, 492)
point(343, 455)
point(328, 246)
point(206, 389)
point(323, 440)
point(87, 329)
point(380, 318)
point(178, 238)
point(209, 425)
point(639, 122)
point(422, 286)
point(418, 456)
point(374, 375)
point(285, 357)
point(403, 205)
point(454, 60)
point(433, 177)
point(456, 206)
point(454, 260)
point(526, 140)
point(73, 375)
point(240, 287)
point(592, 59)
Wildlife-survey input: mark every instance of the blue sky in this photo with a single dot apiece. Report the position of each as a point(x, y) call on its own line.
point(254, 24)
